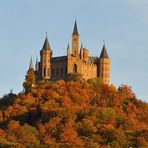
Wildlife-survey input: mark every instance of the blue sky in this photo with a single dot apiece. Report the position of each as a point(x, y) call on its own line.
point(122, 24)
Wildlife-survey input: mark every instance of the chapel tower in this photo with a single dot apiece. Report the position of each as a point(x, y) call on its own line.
point(104, 66)
point(75, 41)
point(45, 60)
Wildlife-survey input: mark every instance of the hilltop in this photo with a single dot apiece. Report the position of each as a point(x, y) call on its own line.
point(74, 114)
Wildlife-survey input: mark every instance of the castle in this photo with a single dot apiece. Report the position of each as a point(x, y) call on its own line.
point(77, 61)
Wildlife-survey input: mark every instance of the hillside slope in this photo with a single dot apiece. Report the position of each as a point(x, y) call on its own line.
point(74, 114)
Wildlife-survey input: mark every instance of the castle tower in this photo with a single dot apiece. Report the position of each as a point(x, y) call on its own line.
point(104, 66)
point(81, 52)
point(85, 54)
point(75, 41)
point(45, 65)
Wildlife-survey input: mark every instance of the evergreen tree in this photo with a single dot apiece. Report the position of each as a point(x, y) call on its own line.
point(30, 79)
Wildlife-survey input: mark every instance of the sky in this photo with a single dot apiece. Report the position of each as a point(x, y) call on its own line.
point(123, 24)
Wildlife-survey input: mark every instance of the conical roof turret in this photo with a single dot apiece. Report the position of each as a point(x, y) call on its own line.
point(68, 46)
point(104, 52)
point(46, 45)
point(75, 29)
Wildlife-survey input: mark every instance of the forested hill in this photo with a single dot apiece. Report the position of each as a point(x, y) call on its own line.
point(74, 114)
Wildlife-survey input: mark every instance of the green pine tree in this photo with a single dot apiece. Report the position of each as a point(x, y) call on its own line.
point(30, 79)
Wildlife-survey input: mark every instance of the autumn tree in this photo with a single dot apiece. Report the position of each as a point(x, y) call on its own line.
point(73, 114)
point(69, 136)
point(126, 91)
point(25, 134)
point(75, 77)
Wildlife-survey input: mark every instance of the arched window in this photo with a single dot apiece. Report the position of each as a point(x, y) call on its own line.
point(44, 72)
point(75, 68)
point(75, 53)
point(57, 72)
point(52, 71)
point(102, 75)
point(66, 70)
point(61, 71)
point(48, 71)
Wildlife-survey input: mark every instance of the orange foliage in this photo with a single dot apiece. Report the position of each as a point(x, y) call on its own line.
point(74, 114)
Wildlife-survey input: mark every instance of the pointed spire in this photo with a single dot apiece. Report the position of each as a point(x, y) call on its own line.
point(31, 64)
point(37, 64)
point(104, 52)
point(36, 60)
point(68, 46)
point(81, 46)
point(46, 45)
point(103, 42)
point(75, 30)
point(68, 49)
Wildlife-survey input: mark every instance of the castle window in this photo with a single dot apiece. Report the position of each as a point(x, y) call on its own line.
point(44, 72)
point(66, 70)
point(75, 53)
point(102, 75)
point(61, 71)
point(57, 72)
point(52, 71)
point(75, 68)
point(48, 72)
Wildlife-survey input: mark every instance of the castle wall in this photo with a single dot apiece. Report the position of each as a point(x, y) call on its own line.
point(58, 68)
point(89, 71)
point(74, 61)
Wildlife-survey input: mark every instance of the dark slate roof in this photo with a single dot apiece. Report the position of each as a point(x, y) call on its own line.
point(46, 45)
point(75, 30)
point(58, 59)
point(104, 53)
point(92, 60)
